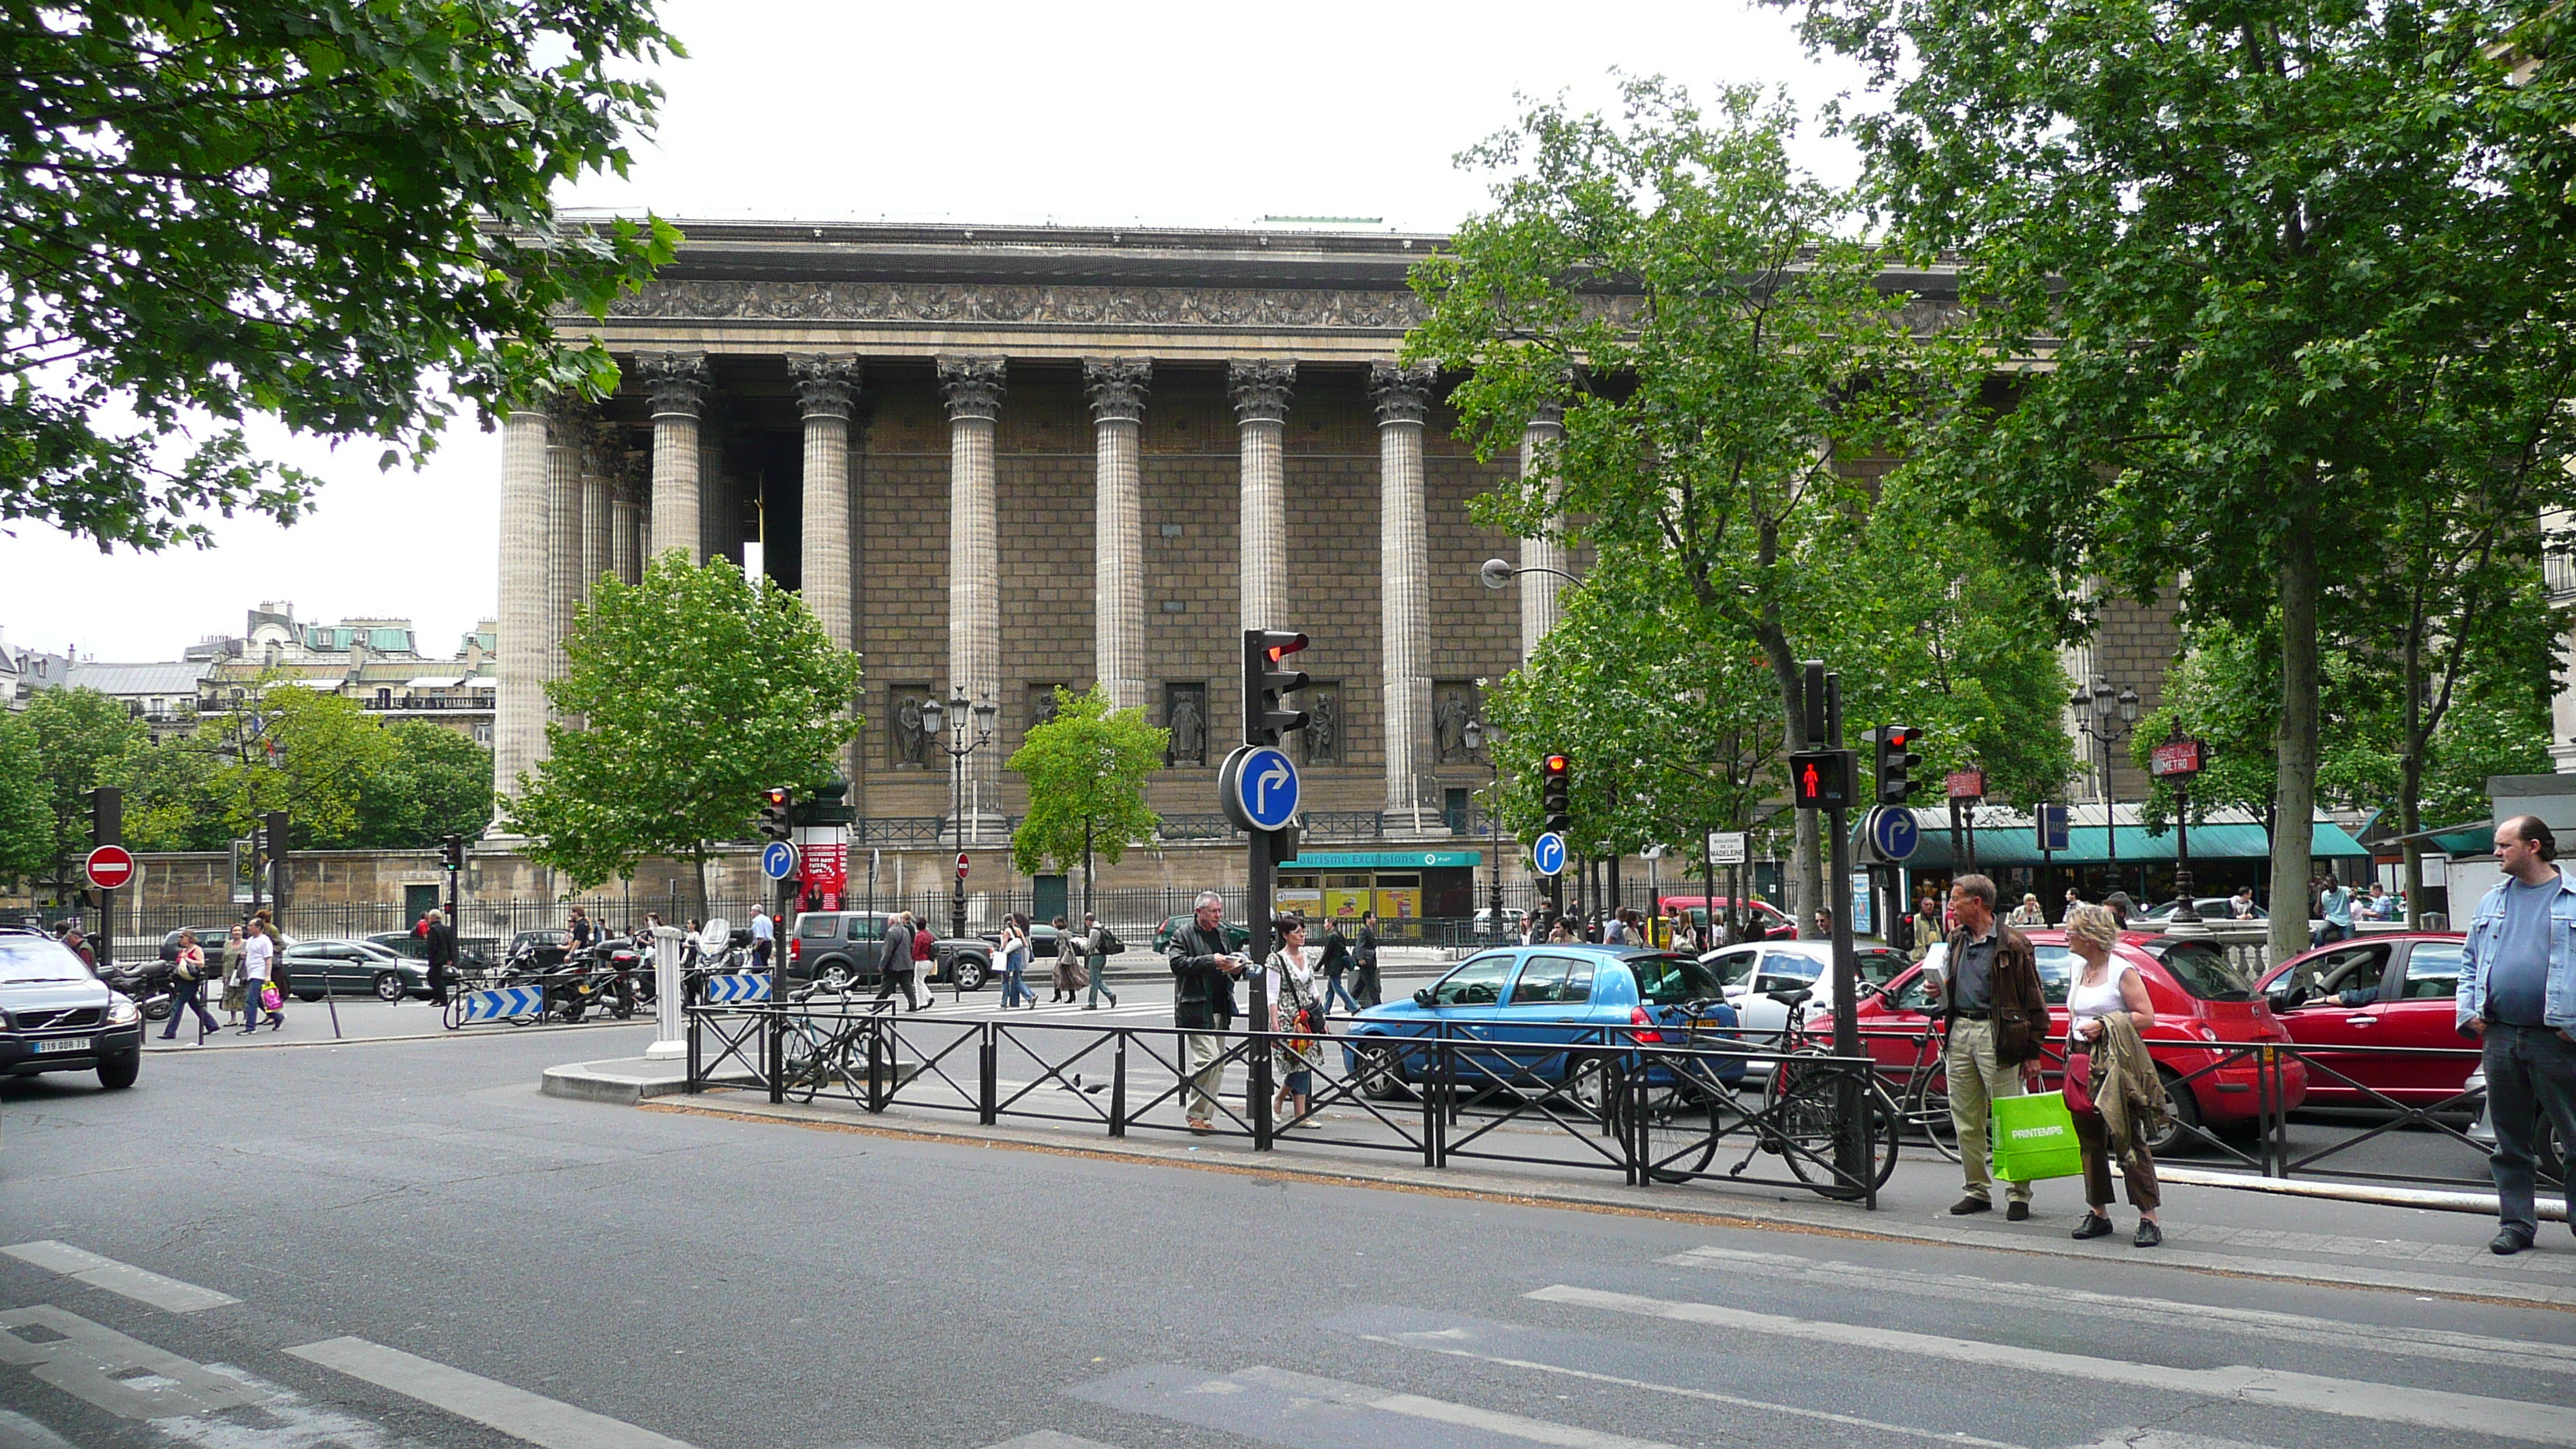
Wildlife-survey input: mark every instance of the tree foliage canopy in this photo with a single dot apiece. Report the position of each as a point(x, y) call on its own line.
point(695, 691)
point(307, 209)
point(80, 734)
point(26, 814)
point(1086, 771)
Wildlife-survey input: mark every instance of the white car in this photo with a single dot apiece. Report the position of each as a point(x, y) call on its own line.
point(1757, 968)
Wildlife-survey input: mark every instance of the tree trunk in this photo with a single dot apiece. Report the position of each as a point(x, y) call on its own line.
point(2410, 770)
point(698, 882)
point(2295, 746)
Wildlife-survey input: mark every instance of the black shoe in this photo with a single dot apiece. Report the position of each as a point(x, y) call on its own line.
point(2018, 1212)
point(2148, 1233)
point(2508, 1243)
point(2094, 1226)
point(1967, 1205)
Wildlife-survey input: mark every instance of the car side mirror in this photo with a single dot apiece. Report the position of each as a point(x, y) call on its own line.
point(2289, 998)
point(1422, 996)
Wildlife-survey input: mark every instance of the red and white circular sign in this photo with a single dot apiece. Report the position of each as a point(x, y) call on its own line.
point(110, 867)
point(961, 865)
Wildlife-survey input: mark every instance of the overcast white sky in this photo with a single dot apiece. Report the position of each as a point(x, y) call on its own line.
point(1180, 114)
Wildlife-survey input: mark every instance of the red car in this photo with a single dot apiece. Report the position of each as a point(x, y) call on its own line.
point(2378, 991)
point(2197, 1000)
point(1773, 924)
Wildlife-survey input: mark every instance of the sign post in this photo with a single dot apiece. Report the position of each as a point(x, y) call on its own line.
point(1822, 778)
point(2178, 759)
point(109, 865)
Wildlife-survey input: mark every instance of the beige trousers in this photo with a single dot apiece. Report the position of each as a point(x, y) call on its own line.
point(1976, 1079)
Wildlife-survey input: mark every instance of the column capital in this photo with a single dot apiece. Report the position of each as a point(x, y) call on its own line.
point(676, 382)
point(972, 386)
point(1402, 392)
point(631, 470)
point(1260, 389)
point(1117, 387)
point(1548, 416)
point(826, 385)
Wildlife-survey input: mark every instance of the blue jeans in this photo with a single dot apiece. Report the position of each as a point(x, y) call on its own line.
point(1333, 988)
point(185, 996)
point(1100, 982)
point(251, 1008)
point(1015, 983)
point(2530, 1070)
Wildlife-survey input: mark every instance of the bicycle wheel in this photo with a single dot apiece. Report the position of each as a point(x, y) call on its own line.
point(803, 1066)
point(1683, 1115)
point(1927, 1110)
point(1804, 1110)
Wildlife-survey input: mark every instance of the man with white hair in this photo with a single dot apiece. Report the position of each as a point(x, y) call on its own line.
point(1203, 973)
point(440, 939)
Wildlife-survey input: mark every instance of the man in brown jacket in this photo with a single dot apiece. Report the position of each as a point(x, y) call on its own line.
point(1998, 1020)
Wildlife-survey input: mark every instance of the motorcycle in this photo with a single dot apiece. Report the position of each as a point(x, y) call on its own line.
point(592, 979)
point(148, 984)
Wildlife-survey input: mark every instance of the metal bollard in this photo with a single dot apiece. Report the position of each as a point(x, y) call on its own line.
point(988, 1083)
point(1118, 1084)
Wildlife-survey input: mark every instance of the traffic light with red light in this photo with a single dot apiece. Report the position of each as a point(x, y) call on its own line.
point(1265, 679)
point(1555, 793)
point(1822, 779)
point(774, 822)
point(1895, 762)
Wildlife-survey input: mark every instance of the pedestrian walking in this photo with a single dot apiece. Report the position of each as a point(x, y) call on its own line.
point(187, 987)
point(2118, 1101)
point(2120, 907)
point(2517, 994)
point(440, 941)
point(1297, 1013)
point(1015, 960)
point(1927, 924)
point(894, 962)
point(2027, 913)
point(1562, 933)
point(1203, 973)
point(925, 958)
point(262, 981)
point(578, 931)
point(1099, 943)
point(764, 936)
point(79, 945)
point(233, 976)
point(1615, 932)
point(1998, 1022)
point(1336, 961)
point(1364, 956)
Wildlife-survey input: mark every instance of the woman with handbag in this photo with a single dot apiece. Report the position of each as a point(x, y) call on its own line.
point(1298, 1012)
point(1069, 975)
point(233, 993)
point(188, 986)
point(2111, 1084)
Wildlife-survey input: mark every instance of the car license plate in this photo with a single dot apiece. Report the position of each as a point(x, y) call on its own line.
point(63, 1044)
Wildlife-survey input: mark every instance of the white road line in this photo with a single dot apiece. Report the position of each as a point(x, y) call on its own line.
point(1851, 1421)
point(2415, 1342)
point(2160, 1439)
point(1050, 1439)
point(544, 1422)
point(1414, 1406)
point(81, 1265)
point(2312, 1393)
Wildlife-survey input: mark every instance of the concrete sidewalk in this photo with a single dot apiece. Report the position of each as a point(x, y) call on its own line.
point(361, 1018)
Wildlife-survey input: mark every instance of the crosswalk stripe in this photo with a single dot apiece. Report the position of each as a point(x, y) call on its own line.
point(547, 1423)
point(2314, 1393)
point(1465, 1416)
point(143, 1286)
point(1050, 1439)
point(1278, 1406)
point(2414, 1342)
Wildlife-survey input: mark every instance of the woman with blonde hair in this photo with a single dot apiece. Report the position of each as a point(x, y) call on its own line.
point(2107, 1065)
point(2027, 913)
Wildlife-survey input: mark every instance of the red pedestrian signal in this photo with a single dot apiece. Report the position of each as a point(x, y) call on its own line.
point(1822, 779)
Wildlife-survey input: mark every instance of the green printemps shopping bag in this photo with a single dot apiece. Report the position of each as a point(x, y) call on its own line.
point(2034, 1138)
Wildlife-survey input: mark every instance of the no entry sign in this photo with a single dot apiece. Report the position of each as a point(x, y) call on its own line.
point(110, 867)
point(961, 865)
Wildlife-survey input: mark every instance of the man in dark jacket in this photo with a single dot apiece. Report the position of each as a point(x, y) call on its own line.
point(1203, 973)
point(1337, 960)
point(1364, 956)
point(894, 963)
point(1998, 1021)
point(440, 940)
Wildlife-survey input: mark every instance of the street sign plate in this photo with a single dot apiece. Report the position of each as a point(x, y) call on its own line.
point(961, 865)
point(2174, 757)
point(778, 860)
point(110, 867)
point(1259, 788)
point(1727, 847)
point(1547, 854)
point(1893, 833)
point(2048, 822)
point(1967, 784)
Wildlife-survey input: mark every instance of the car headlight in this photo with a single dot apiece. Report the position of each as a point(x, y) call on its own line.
point(121, 1011)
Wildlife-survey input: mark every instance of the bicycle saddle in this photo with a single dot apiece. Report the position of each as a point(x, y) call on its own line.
point(1793, 997)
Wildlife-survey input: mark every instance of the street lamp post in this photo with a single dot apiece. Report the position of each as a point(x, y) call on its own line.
point(1479, 735)
point(955, 716)
point(2113, 716)
point(1499, 573)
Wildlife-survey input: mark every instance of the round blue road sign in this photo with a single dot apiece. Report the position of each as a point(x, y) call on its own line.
point(1893, 833)
point(1547, 854)
point(778, 860)
point(1265, 785)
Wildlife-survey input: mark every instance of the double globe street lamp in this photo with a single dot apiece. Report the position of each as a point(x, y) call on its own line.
point(1478, 735)
point(2106, 716)
point(958, 716)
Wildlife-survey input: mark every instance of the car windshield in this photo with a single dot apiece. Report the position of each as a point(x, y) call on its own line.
point(2204, 971)
point(1671, 980)
point(26, 959)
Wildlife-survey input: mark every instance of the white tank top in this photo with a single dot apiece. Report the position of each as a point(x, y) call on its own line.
point(2088, 1003)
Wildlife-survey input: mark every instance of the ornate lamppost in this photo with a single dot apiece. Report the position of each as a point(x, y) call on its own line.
point(1480, 734)
point(2107, 715)
point(955, 716)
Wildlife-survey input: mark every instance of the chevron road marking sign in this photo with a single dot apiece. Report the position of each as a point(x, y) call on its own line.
point(504, 1003)
point(733, 987)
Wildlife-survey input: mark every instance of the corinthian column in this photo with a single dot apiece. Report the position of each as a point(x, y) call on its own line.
point(972, 388)
point(519, 701)
point(1261, 411)
point(626, 517)
point(1539, 608)
point(825, 389)
point(1403, 397)
point(1117, 387)
point(677, 385)
point(565, 453)
point(598, 526)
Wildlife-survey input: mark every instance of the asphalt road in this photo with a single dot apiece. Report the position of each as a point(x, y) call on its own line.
point(401, 1243)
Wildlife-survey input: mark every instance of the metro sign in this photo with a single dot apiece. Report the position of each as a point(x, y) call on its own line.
point(2174, 757)
point(110, 867)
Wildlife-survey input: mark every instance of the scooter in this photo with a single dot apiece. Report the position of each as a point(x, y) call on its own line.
point(147, 984)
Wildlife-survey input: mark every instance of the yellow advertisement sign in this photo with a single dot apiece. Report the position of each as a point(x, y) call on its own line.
point(1399, 905)
point(1345, 904)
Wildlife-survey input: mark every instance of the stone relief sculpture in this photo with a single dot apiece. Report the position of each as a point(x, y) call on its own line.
point(1322, 736)
point(911, 740)
point(1449, 727)
point(1185, 715)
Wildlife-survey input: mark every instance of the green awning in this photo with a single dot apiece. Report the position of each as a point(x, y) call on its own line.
point(2084, 845)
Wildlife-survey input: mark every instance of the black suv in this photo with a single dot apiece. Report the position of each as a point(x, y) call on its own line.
point(839, 949)
point(57, 1016)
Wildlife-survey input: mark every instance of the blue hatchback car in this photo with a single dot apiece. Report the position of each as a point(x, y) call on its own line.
point(1525, 999)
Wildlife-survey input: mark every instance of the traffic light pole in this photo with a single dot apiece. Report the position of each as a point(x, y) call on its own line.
point(106, 827)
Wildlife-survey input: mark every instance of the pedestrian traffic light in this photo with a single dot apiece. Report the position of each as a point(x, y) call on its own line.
point(451, 852)
point(1264, 681)
point(1555, 791)
point(278, 875)
point(774, 824)
point(1822, 779)
point(1896, 761)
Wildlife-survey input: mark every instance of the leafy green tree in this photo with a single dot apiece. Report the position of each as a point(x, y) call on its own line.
point(308, 209)
point(311, 755)
point(172, 799)
point(1720, 345)
point(1086, 771)
point(696, 691)
point(26, 814)
point(2274, 281)
point(437, 783)
point(80, 735)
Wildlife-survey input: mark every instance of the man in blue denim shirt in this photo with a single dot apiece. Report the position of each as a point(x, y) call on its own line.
point(2518, 991)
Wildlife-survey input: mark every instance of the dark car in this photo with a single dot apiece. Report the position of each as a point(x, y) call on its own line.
point(2396, 990)
point(210, 939)
point(405, 944)
point(352, 968)
point(839, 949)
point(57, 1016)
point(1237, 934)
